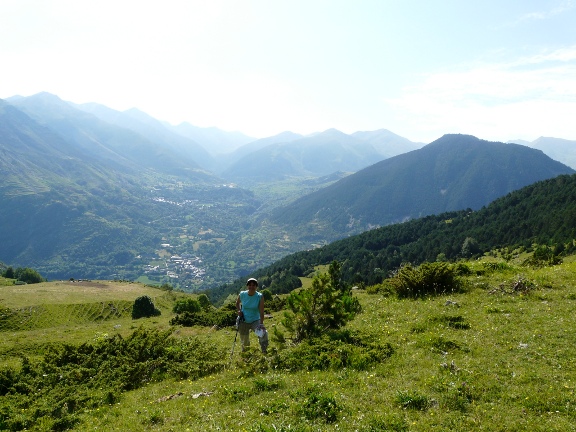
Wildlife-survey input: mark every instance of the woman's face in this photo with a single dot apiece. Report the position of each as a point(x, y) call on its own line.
point(252, 287)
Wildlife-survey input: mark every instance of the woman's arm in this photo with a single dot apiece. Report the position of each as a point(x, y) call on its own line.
point(238, 306)
point(261, 307)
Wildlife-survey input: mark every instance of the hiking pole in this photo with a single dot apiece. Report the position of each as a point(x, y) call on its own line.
point(238, 319)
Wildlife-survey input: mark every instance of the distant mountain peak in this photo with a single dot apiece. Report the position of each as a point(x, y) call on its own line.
point(45, 96)
point(332, 132)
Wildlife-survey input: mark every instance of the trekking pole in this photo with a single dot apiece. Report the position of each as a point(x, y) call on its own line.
point(238, 319)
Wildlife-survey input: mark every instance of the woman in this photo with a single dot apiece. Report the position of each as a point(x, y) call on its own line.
point(250, 307)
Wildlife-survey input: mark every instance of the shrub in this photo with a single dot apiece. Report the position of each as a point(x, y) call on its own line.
point(413, 401)
point(269, 383)
point(187, 305)
point(385, 288)
point(428, 279)
point(496, 266)
point(267, 294)
point(28, 275)
point(221, 318)
point(462, 269)
point(328, 304)
point(320, 406)
point(70, 379)
point(252, 362)
point(144, 307)
point(332, 351)
point(541, 257)
point(204, 302)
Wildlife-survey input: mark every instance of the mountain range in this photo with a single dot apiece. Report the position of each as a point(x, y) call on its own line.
point(91, 192)
point(452, 173)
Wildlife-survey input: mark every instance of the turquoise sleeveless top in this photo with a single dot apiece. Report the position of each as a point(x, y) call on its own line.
point(250, 305)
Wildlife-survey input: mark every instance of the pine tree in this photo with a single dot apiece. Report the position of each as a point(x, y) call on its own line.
point(327, 305)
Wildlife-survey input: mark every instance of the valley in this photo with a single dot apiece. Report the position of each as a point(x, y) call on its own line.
point(93, 193)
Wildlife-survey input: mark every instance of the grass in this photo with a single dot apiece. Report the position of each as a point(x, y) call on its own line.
point(489, 359)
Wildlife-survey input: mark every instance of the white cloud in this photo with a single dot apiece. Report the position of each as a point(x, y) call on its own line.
point(523, 98)
point(542, 15)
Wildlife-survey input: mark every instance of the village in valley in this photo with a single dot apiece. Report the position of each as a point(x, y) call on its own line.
point(183, 269)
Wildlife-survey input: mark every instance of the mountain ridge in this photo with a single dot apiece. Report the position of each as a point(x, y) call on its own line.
point(454, 172)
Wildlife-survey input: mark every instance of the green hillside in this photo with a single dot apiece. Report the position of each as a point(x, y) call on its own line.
point(543, 213)
point(497, 356)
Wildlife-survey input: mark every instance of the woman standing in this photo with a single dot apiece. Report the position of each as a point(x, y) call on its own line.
point(250, 307)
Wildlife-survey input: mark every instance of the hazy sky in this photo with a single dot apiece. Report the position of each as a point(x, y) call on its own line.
point(496, 69)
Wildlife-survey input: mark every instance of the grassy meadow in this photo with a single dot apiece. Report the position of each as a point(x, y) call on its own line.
point(500, 356)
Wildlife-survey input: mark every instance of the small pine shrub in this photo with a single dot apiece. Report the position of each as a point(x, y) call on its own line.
point(332, 351)
point(386, 288)
point(496, 266)
point(541, 257)
point(427, 279)
point(220, 318)
point(320, 406)
point(413, 401)
point(327, 304)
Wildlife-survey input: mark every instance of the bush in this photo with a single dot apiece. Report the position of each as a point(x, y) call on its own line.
point(9, 273)
point(385, 288)
point(413, 401)
point(187, 305)
point(204, 302)
point(27, 275)
point(427, 279)
point(335, 350)
point(541, 257)
point(144, 308)
point(210, 317)
point(220, 318)
point(70, 379)
point(328, 304)
point(320, 406)
point(267, 294)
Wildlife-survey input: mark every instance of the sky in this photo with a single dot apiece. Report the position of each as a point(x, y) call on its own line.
point(497, 69)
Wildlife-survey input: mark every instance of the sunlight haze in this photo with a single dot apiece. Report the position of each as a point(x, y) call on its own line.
point(499, 70)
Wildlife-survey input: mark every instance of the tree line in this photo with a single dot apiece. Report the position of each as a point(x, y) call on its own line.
point(22, 274)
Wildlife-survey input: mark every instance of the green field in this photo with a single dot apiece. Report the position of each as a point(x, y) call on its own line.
point(498, 357)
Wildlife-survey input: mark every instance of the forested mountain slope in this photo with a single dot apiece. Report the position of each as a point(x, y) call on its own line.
point(542, 213)
point(452, 173)
point(83, 209)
